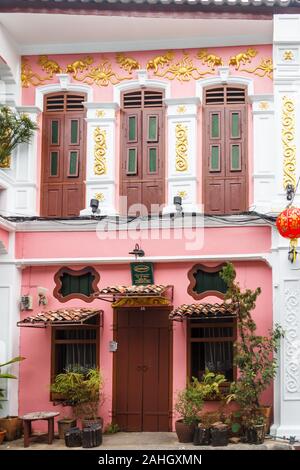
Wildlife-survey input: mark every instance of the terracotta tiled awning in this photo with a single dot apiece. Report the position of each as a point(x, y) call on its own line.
point(189, 311)
point(64, 316)
point(149, 289)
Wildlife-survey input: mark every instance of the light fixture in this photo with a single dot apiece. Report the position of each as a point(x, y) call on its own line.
point(137, 251)
point(177, 201)
point(94, 204)
point(290, 192)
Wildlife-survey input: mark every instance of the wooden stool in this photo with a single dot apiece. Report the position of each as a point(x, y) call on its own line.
point(39, 415)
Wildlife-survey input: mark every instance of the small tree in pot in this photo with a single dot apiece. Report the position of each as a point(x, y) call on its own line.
point(254, 355)
point(15, 128)
point(188, 405)
point(82, 390)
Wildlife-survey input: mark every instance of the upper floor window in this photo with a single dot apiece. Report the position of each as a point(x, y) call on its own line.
point(225, 185)
point(71, 284)
point(206, 281)
point(142, 151)
point(63, 155)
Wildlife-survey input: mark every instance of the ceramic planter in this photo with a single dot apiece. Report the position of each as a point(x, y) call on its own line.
point(185, 432)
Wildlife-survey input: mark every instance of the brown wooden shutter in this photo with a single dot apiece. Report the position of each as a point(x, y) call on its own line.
point(142, 145)
point(63, 162)
point(225, 157)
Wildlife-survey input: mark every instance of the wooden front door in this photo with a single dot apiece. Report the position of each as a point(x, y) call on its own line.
point(142, 369)
point(225, 150)
point(142, 151)
point(63, 155)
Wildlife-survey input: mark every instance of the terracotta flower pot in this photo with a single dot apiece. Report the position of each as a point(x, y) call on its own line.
point(13, 425)
point(266, 411)
point(185, 432)
point(2, 436)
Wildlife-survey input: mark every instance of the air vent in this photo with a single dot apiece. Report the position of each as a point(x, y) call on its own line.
point(235, 95)
point(225, 95)
point(132, 100)
point(55, 103)
point(74, 102)
point(64, 102)
point(143, 99)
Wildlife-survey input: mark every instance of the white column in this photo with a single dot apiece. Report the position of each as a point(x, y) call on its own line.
point(264, 167)
point(182, 152)
point(101, 157)
point(10, 289)
point(286, 275)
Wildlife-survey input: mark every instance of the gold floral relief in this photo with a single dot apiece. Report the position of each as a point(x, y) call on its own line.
point(140, 301)
point(288, 55)
point(100, 164)
point(101, 75)
point(211, 60)
point(181, 132)
point(6, 162)
point(127, 63)
point(264, 69)
point(181, 109)
point(242, 58)
point(288, 141)
point(183, 194)
point(183, 70)
point(100, 197)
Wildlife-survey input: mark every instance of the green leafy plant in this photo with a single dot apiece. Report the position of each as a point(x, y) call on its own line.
point(210, 385)
point(189, 402)
point(112, 428)
point(6, 375)
point(15, 128)
point(82, 389)
point(254, 355)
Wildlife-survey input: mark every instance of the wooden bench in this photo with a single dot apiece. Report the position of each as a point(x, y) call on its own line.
point(38, 415)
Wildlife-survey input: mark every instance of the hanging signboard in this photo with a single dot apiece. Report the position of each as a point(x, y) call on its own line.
point(142, 273)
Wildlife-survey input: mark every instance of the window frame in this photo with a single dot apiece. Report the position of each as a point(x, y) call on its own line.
point(202, 323)
point(55, 342)
point(193, 282)
point(65, 270)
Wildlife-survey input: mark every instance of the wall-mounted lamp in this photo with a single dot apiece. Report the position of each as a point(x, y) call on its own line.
point(137, 251)
point(94, 204)
point(177, 201)
point(290, 192)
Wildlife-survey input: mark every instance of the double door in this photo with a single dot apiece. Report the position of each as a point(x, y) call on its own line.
point(63, 164)
point(142, 369)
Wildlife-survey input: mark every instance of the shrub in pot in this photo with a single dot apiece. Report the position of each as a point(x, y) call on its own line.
point(12, 425)
point(188, 405)
point(81, 389)
point(254, 355)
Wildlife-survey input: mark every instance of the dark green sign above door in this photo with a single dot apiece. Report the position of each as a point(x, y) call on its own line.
point(142, 273)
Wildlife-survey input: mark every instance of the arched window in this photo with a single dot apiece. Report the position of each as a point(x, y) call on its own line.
point(63, 155)
point(142, 149)
point(225, 185)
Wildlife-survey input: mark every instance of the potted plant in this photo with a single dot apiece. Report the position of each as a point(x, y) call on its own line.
point(254, 355)
point(10, 425)
point(15, 128)
point(188, 405)
point(211, 385)
point(81, 389)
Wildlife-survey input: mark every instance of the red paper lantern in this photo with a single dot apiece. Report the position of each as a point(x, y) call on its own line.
point(288, 225)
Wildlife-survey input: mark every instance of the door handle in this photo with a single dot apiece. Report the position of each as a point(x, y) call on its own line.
point(145, 368)
point(139, 368)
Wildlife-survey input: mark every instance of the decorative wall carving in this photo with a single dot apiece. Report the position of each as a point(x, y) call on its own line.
point(160, 61)
point(292, 343)
point(5, 162)
point(288, 55)
point(242, 58)
point(79, 66)
point(100, 166)
point(264, 69)
point(211, 60)
point(288, 138)
point(183, 70)
point(127, 63)
point(181, 132)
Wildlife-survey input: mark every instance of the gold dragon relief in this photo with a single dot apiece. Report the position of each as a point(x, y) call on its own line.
point(183, 70)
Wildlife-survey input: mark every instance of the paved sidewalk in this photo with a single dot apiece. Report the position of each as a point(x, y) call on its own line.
point(141, 441)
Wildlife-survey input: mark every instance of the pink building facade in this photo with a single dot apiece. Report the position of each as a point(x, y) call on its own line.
point(200, 138)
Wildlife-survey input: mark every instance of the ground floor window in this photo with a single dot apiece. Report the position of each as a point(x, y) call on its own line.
point(210, 346)
point(74, 348)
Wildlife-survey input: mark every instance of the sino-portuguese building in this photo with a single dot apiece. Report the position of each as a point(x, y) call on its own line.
point(178, 122)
